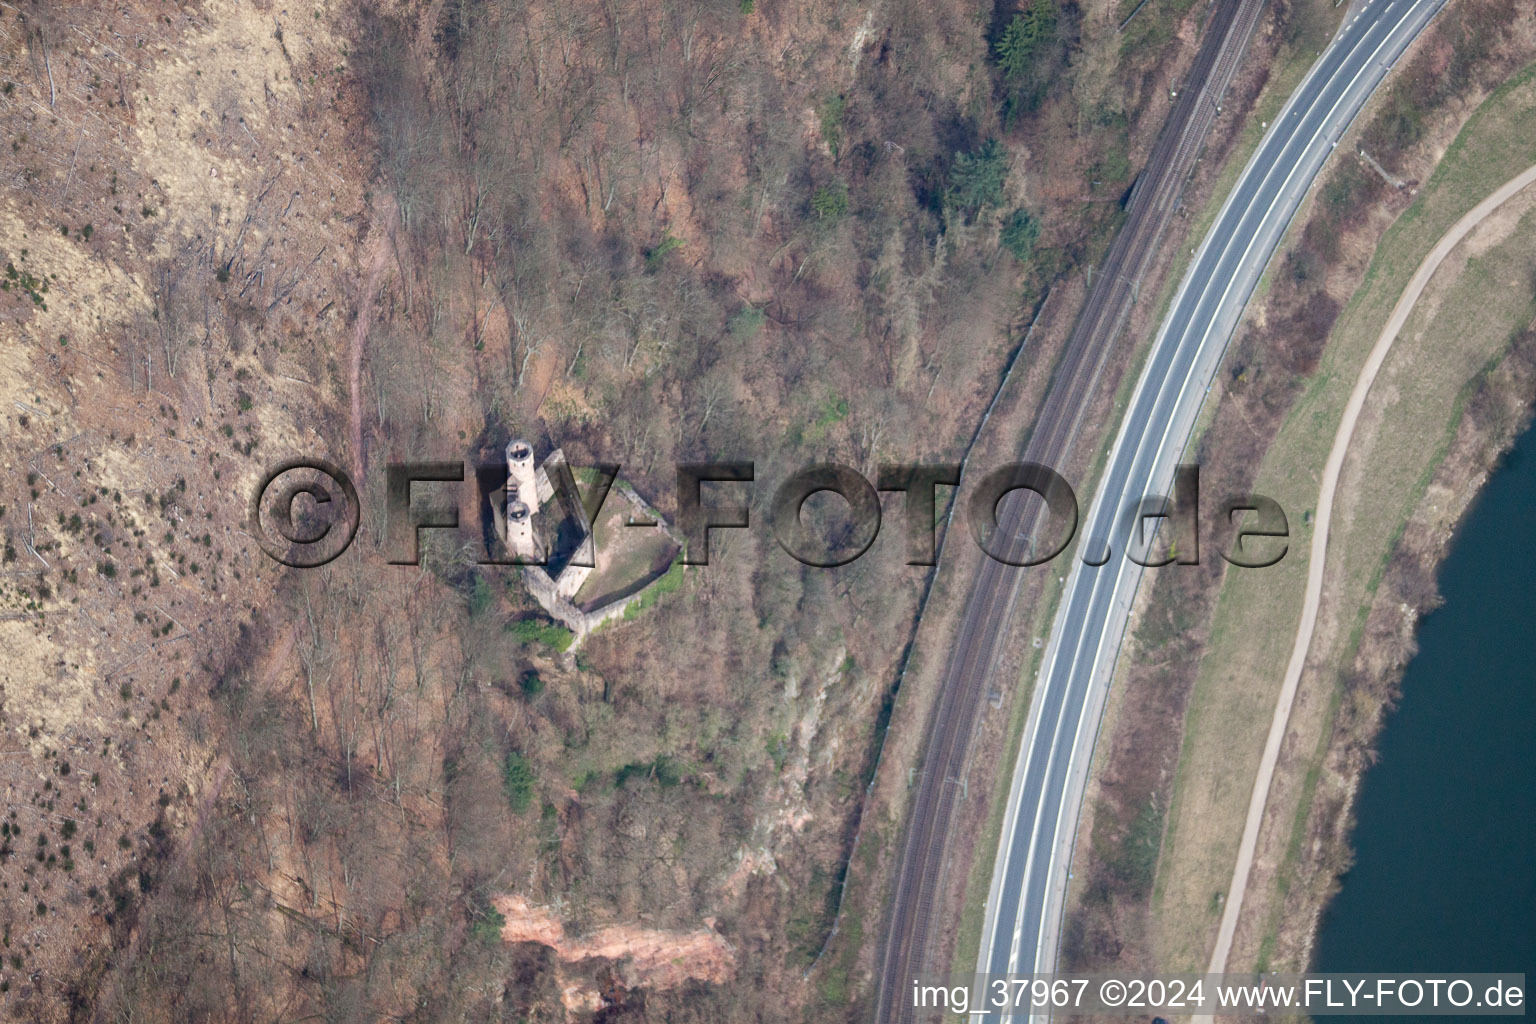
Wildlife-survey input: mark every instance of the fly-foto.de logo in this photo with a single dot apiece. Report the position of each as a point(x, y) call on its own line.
point(521, 511)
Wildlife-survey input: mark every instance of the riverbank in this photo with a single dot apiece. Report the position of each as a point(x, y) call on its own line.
point(1495, 408)
point(1448, 811)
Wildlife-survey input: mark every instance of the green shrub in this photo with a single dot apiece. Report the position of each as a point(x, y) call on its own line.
point(746, 322)
point(832, 110)
point(777, 745)
point(662, 769)
point(668, 582)
point(488, 925)
point(830, 202)
point(668, 244)
point(517, 780)
point(480, 596)
point(32, 285)
point(532, 631)
point(1020, 231)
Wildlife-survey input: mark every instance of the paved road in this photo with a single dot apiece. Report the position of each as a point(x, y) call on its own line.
point(1024, 906)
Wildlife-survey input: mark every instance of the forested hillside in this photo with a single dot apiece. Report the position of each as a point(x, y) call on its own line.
point(649, 232)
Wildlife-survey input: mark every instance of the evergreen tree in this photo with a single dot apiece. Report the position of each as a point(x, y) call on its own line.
point(830, 202)
point(1026, 36)
point(1020, 231)
point(976, 181)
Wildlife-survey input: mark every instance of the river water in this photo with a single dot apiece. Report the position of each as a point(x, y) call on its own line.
point(1445, 869)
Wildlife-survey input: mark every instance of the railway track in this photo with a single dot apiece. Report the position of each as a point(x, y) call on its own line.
point(1030, 879)
point(908, 946)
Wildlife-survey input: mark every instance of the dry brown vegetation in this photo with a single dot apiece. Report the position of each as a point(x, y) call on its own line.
point(648, 232)
point(1266, 373)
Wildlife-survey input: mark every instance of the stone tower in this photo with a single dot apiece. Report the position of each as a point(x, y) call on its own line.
point(520, 529)
point(522, 476)
point(522, 499)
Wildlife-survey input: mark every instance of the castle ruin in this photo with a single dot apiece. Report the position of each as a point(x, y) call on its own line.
point(546, 526)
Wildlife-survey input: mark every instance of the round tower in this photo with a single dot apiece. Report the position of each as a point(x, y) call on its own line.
point(522, 477)
point(520, 530)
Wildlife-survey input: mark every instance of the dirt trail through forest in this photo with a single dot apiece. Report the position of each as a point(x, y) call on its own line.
point(378, 259)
